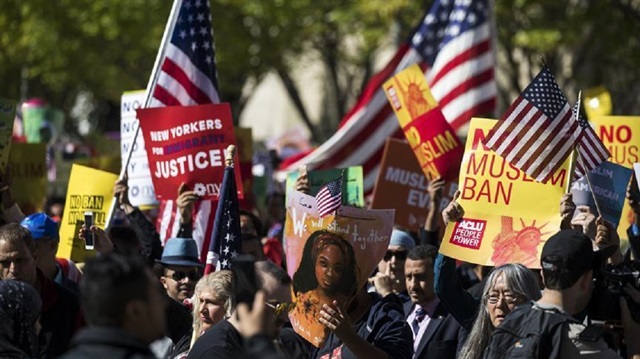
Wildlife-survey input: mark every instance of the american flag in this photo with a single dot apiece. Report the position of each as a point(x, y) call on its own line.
point(329, 198)
point(538, 131)
point(592, 152)
point(186, 76)
point(225, 240)
point(452, 44)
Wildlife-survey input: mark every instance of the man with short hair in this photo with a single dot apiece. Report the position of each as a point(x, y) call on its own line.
point(44, 231)
point(181, 268)
point(124, 307)
point(60, 307)
point(567, 262)
point(436, 333)
point(223, 340)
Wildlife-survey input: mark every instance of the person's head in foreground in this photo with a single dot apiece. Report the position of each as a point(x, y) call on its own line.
point(507, 286)
point(121, 292)
point(19, 312)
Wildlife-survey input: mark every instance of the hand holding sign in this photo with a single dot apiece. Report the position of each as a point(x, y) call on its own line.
point(302, 182)
point(567, 208)
point(336, 320)
point(454, 211)
point(121, 194)
point(186, 200)
point(607, 236)
point(585, 221)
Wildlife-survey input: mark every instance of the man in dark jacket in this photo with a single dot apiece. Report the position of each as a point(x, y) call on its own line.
point(60, 307)
point(436, 333)
point(124, 307)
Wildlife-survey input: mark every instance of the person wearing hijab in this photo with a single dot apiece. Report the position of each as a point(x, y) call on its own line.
point(19, 312)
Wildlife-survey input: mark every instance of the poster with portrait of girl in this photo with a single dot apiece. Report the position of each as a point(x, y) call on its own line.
point(330, 258)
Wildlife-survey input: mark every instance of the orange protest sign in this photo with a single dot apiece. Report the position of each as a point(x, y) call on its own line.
point(432, 139)
point(402, 185)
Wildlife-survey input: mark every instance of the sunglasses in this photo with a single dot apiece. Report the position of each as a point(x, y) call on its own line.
point(400, 255)
point(193, 276)
point(281, 307)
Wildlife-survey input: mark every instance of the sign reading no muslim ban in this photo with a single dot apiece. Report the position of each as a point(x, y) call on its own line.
point(186, 144)
point(508, 215)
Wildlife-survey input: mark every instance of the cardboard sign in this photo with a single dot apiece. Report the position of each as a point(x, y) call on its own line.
point(609, 182)
point(433, 140)
point(508, 215)
point(82, 195)
point(7, 116)
point(28, 172)
point(141, 192)
point(621, 135)
point(352, 184)
point(402, 185)
point(357, 241)
point(186, 144)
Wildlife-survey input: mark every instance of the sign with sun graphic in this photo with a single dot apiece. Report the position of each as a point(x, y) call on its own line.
point(431, 137)
point(508, 215)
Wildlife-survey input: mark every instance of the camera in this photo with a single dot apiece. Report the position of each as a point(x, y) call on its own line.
point(608, 284)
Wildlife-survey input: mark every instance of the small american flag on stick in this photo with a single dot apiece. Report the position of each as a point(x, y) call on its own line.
point(329, 198)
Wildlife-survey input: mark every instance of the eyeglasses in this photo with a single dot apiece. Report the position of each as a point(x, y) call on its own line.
point(400, 255)
point(281, 307)
point(509, 297)
point(193, 276)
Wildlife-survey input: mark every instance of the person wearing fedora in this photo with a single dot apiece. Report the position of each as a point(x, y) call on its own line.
point(181, 268)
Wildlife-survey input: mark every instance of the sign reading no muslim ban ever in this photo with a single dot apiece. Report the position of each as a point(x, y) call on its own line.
point(186, 144)
point(141, 192)
point(364, 236)
point(508, 215)
point(84, 195)
point(621, 135)
point(609, 182)
point(435, 144)
point(402, 185)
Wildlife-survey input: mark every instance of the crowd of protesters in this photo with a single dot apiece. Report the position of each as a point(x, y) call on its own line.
point(139, 298)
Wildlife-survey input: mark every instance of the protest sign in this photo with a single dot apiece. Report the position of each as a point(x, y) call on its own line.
point(402, 185)
point(352, 184)
point(621, 135)
point(609, 182)
point(28, 172)
point(354, 242)
point(84, 195)
point(7, 116)
point(636, 168)
point(186, 144)
point(244, 137)
point(41, 122)
point(508, 215)
point(141, 192)
point(435, 144)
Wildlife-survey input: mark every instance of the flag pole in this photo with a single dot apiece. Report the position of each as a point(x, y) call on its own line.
point(572, 169)
point(153, 80)
point(593, 195)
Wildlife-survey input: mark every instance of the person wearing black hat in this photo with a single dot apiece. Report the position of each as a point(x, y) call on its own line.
point(568, 261)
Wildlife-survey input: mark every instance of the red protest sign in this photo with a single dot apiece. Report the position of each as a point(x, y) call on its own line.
point(186, 144)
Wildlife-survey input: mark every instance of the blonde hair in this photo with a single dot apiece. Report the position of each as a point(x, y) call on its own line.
point(221, 285)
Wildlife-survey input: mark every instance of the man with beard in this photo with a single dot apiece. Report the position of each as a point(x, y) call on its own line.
point(436, 333)
point(181, 268)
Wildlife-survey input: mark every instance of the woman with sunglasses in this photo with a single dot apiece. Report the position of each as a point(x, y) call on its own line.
point(506, 287)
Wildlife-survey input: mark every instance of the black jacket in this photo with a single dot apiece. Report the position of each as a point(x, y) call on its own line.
point(443, 338)
point(106, 343)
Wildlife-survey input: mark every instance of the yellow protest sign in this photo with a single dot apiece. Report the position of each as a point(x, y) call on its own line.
point(89, 190)
point(508, 215)
point(621, 135)
point(7, 115)
point(28, 172)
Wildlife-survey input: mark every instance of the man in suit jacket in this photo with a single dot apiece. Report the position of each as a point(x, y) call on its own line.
point(436, 333)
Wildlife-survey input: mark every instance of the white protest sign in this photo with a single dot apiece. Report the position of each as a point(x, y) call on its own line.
point(141, 190)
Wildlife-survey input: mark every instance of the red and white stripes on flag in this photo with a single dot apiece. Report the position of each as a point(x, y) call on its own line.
point(538, 131)
point(452, 45)
point(186, 76)
point(329, 198)
point(592, 152)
